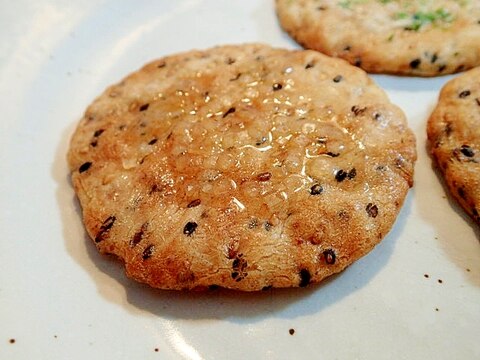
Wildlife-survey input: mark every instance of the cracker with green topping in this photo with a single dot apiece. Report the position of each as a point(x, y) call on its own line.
point(244, 167)
point(407, 37)
point(454, 134)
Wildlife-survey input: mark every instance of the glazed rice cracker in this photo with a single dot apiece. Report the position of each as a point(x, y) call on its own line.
point(244, 167)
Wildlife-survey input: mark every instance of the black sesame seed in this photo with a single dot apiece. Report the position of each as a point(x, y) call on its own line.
point(442, 67)
point(98, 132)
point(467, 151)
point(316, 189)
point(277, 87)
point(144, 107)
point(138, 235)
point(309, 65)
point(305, 277)
point(291, 331)
point(105, 228)
point(148, 252)
point(229, 111)
point(358, 62)
point(332, 154)
point(372, 210)
point(190, 228)
point(337, 78)
point(434, 58)
point(194, 203)
point(357, 110)
point(268, 225)
point(329, 256)
point(352, 173)
point(464, 94)
point(84, 167)
point(415, 63)
point(347, 48)
point(478, 101)
point(340, 175)
point(236, 77)
point(152, 142)
point(161, 65)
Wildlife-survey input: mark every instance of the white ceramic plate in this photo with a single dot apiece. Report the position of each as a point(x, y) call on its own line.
point(59, 299)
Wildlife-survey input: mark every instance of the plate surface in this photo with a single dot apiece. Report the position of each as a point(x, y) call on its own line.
point(415, 296)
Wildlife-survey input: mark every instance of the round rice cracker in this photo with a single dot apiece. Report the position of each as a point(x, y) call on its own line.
point(244, 167)
point(421, 38)
point(454, 135)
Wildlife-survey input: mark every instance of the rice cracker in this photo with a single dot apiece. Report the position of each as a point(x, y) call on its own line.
point(243, 166)
point(454, 134)
point(421, 38)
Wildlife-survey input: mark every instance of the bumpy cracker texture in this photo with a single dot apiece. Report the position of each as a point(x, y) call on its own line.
point(244, 167)
point(454, 134)
point(422, 38)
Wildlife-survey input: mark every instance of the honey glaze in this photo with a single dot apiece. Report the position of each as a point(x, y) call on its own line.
point(222, 128)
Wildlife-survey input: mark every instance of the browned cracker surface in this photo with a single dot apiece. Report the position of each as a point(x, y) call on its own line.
point(243, 167)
